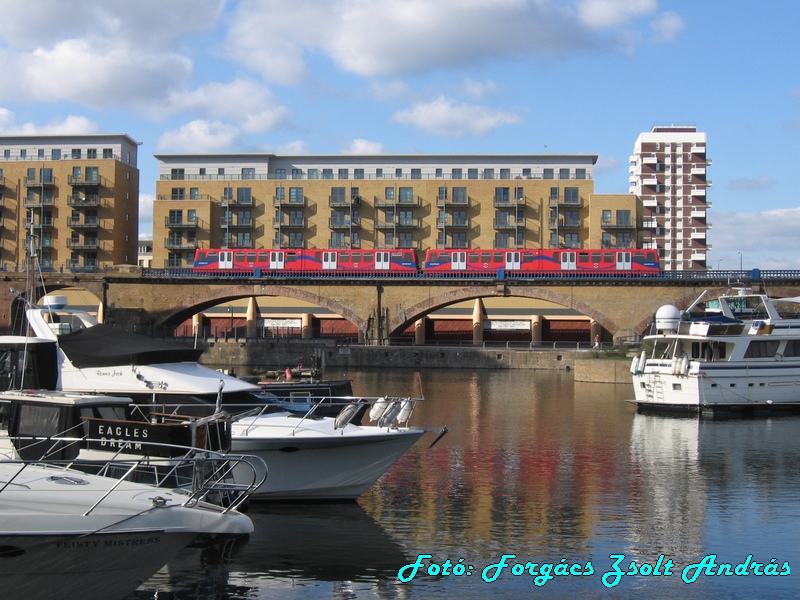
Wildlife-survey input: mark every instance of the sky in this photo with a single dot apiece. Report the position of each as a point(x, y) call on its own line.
point(430, 77)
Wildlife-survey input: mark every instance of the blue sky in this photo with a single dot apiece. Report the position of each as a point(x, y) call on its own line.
point(430, 76)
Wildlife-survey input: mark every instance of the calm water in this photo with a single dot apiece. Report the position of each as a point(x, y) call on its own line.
point(543, 468)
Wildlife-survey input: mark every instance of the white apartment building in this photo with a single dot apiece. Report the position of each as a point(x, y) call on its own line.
point(668, 173)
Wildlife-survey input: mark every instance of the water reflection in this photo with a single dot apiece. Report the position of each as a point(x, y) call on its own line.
point(538, 466)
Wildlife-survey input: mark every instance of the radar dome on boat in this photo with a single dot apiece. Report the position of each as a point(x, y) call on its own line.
point(667, 318)
point(55, 302)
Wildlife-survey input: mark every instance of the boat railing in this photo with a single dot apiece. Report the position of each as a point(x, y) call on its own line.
point(202, 475)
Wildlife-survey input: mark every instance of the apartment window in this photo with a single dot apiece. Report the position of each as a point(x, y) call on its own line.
point(227, 239)
point(502, 194)
point(571, 240)
point(243, 195)
point(338, 195)
point(389, 193)
point(379, 173)
point(488, 173)
point(406, 195)
point(554, 195)
point(456, 174)
point(472, 173)
point(624, 239)
point(178, 194)
point(398, 172)
point(227, 194)
point(175, 217)
point(442, 193)
point(295, 239)
point(563, 173)
point(227, 217)
point(313, 173)
point(624, 218)
point(572, 218)
point(572, 195)
point(388, 238)
point(175, 174)
point(459, 195)
point(327, 173)
point(358, 173)
point(459, 239)
point(6, 153)
point(344, 173)
point(501, 240)
point(244, 218)
point(416, 173)
point(297, 173)
point(580, 173)
point(405, 239)
point(439, 174)
point(194, 193)
point(93, 174)
point(191, 216)
point(338, 239)
point(605, 240)
point(91, 153)
point(40, 154)
point(406, 218)
point(547, 174)
point(279, 174)
point(505, 173)
point(244, 240)
point(24, 153)
point(76, 153)
point(250, 173)
point(606, 217)
point(221, 171)
point(460, 217)
point(280, 193)
point(107, 153)
point(526, 173)
point(296, 217)
point(55, 154)
point(296, 195)
point(519, 193)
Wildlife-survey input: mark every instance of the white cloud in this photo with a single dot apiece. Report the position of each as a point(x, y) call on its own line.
point(443, 117)
point(200, 137)
point(248, 103)
point(667, 27)
point(70, 125)
point(388, 38)
point(766, 240)
point(480, 89)
point(294, 148)
point(360, 146)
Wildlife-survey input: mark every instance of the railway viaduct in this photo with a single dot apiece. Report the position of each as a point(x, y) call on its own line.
point(377, 307)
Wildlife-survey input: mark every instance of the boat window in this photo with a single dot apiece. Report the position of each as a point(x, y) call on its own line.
point(709, 351)
point(762, 349)
point(663, 349)
point(792, 348)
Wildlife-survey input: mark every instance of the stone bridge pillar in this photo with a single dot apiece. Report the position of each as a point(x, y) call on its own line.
point(478, 320)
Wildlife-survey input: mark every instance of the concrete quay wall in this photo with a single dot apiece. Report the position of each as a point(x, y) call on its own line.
point(247, 357)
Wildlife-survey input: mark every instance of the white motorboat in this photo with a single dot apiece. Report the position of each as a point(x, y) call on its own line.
point(68, 534)
point(310, 457)
point(741, 353)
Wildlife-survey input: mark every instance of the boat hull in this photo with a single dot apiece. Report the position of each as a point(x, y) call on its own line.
point(67, 566)
point(335, 466)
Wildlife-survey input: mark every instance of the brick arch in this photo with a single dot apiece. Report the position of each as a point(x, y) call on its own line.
point(412, 313)
point(212, 297)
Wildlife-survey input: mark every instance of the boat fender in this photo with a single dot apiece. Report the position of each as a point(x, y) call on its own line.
point(406, 408)
point(378, 409)
point(675, 366)
point(684, 365)
point(346, 415)
point(635, 365)
point(389, 414)
point(642, 361)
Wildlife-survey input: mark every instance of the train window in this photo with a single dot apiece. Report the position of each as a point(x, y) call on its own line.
point(263, 257)
point(344, 257)
point(473, 257)
point(638, 256)
point(498, 257)
point(397, 255)
point(200, 255)
point(608, 257)
point(595, 257)
point(239, 256)
point(527, 257)
point(213, 256)
point(356, 257)
point(444, 256)
point(583, 257)
point(291, 256)
point(433, 256)
point(485, 257)
point(251, 257)
point(368, 257)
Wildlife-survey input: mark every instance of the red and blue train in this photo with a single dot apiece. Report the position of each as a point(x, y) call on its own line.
point(253, 262)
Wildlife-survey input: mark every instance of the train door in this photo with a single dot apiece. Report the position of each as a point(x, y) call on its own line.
point(569, 261)
point(277, 260)
point(623, 261)
point(330, 260)
point(383, 261)
point(458, 261)
point(512, 261)
point(225, 259)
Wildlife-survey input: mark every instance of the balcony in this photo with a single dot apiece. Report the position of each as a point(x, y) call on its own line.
point(650, 202)
point(344, 202)
point(293, 202)
point(510, 203)
point(509, 224)
point(86, 223)
point(460, 202)
point(450, 223)
point(236, 224)
point(46, 223)
point(555, 202)
point(565, 224)
point(289, 223)
point(39, 181)
point(622, 224)
point(337, 224)
point(37, 202)
point(179, 224)
point(176, 244)
point(92, 181)
point(81, 201)
point(87, 244)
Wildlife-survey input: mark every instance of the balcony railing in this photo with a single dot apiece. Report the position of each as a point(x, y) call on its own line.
point(86, 223)
point(80, 201)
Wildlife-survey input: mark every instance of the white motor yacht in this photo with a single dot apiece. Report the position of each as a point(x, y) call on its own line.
point(741, 352)
point(68, 534)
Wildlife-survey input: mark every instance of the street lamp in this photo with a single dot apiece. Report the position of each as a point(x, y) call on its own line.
point(718, 262)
